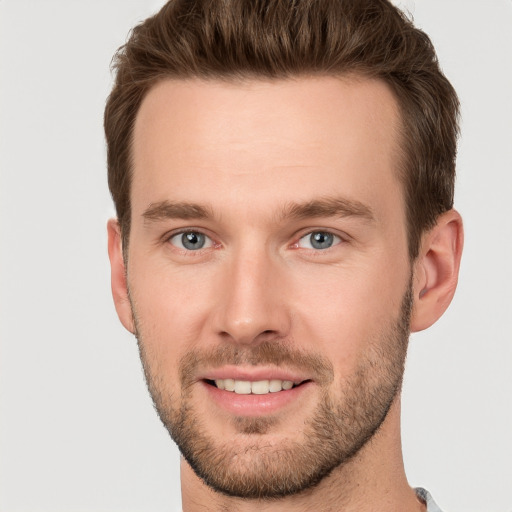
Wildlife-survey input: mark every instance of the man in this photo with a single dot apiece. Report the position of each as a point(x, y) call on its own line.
point(283, 178)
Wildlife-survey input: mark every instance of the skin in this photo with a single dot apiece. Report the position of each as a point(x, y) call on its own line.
point(243, 152)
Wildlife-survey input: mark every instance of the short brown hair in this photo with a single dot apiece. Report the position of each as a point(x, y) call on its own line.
point(273, 39)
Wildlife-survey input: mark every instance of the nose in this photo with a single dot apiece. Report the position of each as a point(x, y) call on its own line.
point(252, 306)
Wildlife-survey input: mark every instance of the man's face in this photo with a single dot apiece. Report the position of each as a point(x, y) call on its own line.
point(268, 249)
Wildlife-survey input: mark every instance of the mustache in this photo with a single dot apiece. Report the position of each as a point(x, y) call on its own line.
point(266, 353)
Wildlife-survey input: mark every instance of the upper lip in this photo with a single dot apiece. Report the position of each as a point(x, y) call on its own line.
point(254, 374)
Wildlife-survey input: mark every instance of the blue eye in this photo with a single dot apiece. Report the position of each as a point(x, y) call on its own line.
point(319, 240)
point(191, 241)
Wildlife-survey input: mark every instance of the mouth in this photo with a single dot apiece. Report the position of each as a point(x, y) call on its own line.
point(256, 392)
point(259, 387)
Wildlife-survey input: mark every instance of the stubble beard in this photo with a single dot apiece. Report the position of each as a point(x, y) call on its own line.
point(250, 466)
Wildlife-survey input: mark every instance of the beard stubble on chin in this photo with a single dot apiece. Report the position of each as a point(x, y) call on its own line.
point(250, 466)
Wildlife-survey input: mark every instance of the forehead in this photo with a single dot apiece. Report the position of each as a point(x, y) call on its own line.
point(204, 141)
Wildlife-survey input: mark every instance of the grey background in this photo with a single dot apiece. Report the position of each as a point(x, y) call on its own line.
point(77, 428)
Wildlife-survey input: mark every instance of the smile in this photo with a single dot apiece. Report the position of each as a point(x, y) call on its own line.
point(256, 396)
point(260, 387)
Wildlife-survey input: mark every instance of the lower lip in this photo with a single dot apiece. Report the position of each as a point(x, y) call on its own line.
point(255, 405)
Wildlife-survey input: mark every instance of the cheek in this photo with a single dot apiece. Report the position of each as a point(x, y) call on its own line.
point(171, 307)
point(345, 311)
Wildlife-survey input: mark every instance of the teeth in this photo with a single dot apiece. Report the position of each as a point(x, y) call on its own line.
point(242, 387)
point(287, 384)
point(260, 387)
point(229, 384)
point(275, 386)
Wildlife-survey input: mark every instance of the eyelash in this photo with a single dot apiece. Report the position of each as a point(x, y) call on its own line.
point(190, 252)
point(332, 238)
point(337, 239)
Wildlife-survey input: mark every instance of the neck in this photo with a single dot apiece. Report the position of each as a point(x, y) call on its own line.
point(374, 479)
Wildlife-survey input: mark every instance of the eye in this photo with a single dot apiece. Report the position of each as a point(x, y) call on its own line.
point(319, 240)
point(191, 241)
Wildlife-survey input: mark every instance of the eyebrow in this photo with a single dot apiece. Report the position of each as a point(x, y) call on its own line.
point(176, 210)
point(324, 207)
point(328, 207)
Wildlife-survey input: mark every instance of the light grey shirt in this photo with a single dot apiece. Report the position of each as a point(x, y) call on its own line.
point(425, 496)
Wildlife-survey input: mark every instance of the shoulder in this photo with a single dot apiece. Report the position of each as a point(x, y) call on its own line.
point(425, 496)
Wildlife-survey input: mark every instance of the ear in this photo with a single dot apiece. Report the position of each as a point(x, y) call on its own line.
point(118, 275)
point(436, 270)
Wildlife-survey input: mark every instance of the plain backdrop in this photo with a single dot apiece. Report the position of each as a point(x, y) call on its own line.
point(77, 427)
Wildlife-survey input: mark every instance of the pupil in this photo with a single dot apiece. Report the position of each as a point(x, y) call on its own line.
point(192, 240)
point(321, 240)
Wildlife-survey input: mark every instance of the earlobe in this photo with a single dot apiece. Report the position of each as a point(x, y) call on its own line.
point(118, 275)
point(436, 270)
